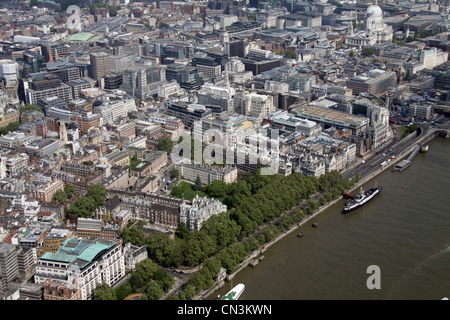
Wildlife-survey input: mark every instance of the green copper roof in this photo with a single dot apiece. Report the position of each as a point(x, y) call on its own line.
point(80, 252)
point(82, 36)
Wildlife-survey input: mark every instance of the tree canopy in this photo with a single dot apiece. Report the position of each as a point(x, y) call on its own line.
point(11, 127)
point(216, 189)
point(165, 144)
point(84, 206)
point(291, 54)
point(198, 184)
point(367, 51)
point(29, 106)
point(227, 238)
point(104, 292)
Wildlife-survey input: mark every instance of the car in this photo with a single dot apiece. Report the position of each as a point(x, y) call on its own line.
point(384, 154)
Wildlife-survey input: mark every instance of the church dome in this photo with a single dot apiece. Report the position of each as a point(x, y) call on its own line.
point(374, 11)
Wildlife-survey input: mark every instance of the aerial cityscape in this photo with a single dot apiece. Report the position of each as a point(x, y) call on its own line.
point(154, 150)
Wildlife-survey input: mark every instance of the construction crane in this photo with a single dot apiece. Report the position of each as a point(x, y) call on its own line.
point(404, 113)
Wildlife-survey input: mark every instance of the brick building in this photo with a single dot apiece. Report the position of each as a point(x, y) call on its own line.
point(44, 193)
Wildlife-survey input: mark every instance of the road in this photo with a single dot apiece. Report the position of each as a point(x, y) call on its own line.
point(395, 148)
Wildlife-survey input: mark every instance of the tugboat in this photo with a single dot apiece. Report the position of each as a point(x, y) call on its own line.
point(361, 199)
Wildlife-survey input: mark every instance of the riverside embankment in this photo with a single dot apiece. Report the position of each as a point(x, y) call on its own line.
point(404, 232)
point(404, 149)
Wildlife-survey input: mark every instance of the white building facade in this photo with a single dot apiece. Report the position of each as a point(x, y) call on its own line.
point(85, 263)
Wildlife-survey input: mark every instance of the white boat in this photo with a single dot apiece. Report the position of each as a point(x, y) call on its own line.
point(234, 293)
point(362, 198)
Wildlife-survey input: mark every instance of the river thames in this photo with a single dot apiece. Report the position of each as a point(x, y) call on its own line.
point(404, 231)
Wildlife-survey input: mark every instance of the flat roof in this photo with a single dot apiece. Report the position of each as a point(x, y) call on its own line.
point(82, 36)
point(329, 115)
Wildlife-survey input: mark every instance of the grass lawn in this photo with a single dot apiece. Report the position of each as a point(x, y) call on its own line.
point(188, 192)
point(402, 131)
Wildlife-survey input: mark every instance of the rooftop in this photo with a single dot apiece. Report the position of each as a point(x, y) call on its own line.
point(80, 252)
point(329, 115)
point(83, 36)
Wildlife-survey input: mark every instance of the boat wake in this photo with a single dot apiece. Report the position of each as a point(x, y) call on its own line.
point(410, 275)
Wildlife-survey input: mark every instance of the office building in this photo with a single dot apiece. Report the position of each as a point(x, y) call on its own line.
point(89, 228)
point(32, 62)
point(209, 71)
point(42, 85)
point(9, 70)
point(135, 83)
point(80, 84)
point(420, 110)
point(9, 266)
point(112, 110)
point(84, 263)
point(52, 241)
point(113, 81)
point(283, 120)
point(235, 48)
point(188, 113)
point(207, 174)
point(257, 67)
point(86, 120)
point(65, 70)
point(213, 96)
point(376, 82)
point(100, 65)
point(332, 118)
point(169, 90)
point(253, 104)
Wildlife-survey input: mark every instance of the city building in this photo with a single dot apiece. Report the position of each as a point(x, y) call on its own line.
point(83, 263)
point(169, 90)
point(89, 228)
point(427, 58)
point(332, 118)
point(9, 266)
point(209, 71)
point(376, 82)
point(196, 212)
point(42, 85)
point(44, 193)
point(80, 84)
point(188, 113)
point(133, 255)
point(254, 105)
point(284, 120)
point(100, 65)
point(419, 110)
point(375, 30)
point(111, 110)
point(214, 97)
point(207, 174)
point(52, 241)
